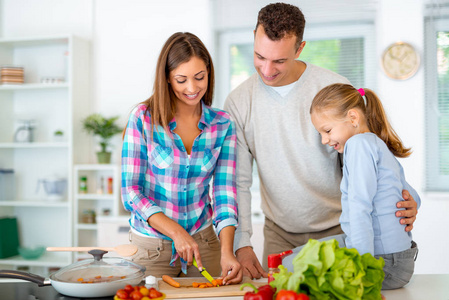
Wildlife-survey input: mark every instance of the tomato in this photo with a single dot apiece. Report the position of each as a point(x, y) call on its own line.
point(144, 291)
point(129, 288)
point(302, 297)
point(136, 295)
point(154, 293)
point(122, 294)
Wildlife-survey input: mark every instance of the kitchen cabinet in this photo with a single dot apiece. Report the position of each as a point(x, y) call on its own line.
point(54, 97)
point(97, 196)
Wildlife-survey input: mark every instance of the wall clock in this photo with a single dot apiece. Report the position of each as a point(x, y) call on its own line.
point(400, 61)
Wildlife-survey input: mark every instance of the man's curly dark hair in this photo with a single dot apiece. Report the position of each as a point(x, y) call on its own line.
point(281, 19)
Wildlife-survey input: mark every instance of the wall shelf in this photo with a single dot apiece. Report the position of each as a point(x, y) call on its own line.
point(33, 86)
point(48, 259)
point(94, 197)
point(39, 203)
point(86, 226)
point(50, 107)
point(34, 145)
point(96, 200)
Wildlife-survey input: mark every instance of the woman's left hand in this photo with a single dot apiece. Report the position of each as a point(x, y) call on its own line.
point(231, 269)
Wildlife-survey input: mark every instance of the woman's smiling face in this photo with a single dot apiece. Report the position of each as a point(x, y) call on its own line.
point(189, 81)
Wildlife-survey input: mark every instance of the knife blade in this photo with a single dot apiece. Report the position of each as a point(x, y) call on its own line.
point(203, 272)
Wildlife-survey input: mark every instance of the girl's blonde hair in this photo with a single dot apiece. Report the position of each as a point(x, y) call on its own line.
point(340, 98)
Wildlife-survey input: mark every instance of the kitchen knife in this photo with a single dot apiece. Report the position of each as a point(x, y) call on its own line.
point(203, 272)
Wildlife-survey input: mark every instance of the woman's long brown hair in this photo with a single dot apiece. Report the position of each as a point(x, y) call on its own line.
point(340, 98)
point(179, 48)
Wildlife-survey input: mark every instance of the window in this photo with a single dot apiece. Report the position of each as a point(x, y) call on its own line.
point(437, 104)
point(347, 50)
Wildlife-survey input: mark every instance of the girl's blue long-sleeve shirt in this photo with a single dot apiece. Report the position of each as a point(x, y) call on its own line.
point(372, 184)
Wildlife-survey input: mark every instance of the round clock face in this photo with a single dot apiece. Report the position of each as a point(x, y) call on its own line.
point(400, 61)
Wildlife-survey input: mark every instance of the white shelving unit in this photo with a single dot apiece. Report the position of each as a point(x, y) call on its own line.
point(96, 199)
point(52, 107)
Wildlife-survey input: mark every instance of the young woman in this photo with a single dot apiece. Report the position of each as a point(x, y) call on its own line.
point(354, 123)
point(175, 148)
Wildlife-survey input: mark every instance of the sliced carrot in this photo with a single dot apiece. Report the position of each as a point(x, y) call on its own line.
point(202, 286)
point(80, 279)
point(209, 284)
point(219, 281)
point(195, 284)
point(170, 281)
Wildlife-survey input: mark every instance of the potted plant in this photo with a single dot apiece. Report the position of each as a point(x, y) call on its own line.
point(58, 136)
point(105, 128)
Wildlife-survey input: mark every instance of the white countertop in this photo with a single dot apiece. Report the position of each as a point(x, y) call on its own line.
point(421, 287)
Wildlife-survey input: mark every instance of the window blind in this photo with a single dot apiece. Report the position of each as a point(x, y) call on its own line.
point(437, 96)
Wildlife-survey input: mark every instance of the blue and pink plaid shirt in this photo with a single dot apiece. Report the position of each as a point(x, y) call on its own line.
point(158, 176)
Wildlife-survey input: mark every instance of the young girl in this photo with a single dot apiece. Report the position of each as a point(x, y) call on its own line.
point(175, 146)
point(354, 123)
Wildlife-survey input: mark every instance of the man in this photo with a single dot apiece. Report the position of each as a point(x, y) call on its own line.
point(299, 177)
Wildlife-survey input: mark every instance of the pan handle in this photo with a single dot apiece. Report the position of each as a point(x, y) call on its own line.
point(39, 280)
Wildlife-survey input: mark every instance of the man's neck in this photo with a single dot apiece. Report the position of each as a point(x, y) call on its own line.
point(300, 68)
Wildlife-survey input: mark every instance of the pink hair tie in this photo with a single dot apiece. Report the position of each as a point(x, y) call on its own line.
point(362, 93)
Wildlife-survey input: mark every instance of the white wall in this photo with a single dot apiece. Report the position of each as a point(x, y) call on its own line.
point(126, 37)
point(401, 20)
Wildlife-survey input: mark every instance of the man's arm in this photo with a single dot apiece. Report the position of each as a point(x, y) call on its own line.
point(242, 243)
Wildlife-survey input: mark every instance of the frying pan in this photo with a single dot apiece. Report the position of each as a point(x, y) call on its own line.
point(67, 280)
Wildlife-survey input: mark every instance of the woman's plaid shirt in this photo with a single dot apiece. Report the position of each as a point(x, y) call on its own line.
point(158, 176)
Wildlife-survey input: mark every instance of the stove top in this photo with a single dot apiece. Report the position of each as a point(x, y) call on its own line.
point(31, 291)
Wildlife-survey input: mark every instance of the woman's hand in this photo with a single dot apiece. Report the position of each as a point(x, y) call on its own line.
point(185, 245)
point(231, 269)
point(187, 248)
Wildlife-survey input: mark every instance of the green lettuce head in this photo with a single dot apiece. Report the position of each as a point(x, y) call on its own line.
point(323, 270)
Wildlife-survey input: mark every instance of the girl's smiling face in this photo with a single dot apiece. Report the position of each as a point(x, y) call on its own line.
point(334, 131)
point(189, 81)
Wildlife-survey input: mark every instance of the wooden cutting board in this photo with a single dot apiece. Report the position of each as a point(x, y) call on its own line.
point(187, 291)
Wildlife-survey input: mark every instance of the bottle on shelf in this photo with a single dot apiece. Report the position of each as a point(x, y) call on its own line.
point(83, 185)
point(110, 186)
point(100, 185)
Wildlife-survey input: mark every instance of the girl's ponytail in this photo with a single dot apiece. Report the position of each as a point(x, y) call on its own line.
point(340, 98)
point(378, 123)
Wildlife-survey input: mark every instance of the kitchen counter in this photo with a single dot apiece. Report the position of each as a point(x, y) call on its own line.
point(422, 286)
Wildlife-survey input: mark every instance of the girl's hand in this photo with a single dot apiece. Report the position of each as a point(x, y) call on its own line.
point(187, 248)
point(231, 269)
